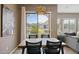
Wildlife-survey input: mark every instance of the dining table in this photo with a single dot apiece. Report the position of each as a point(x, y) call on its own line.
point(44, 41)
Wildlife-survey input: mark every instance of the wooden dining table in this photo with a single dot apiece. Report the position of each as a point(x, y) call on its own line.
point(44, 41)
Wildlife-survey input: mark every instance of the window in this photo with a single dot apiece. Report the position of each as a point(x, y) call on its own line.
point(72, 25)
point(66, 25)
point(37, 24)
point(69, 25)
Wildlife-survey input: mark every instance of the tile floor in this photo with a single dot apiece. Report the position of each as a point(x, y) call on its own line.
point(67, 50)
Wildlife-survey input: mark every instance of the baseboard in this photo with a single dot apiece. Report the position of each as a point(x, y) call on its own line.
point(13, 49)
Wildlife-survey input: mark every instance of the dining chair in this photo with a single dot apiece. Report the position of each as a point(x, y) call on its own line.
point(33, 36)
point(45, 36)
point(34, 48)
point(53, 47)
point(61, 38)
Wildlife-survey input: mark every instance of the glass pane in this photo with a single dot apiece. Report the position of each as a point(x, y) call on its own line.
point(72, 25)
point(43, 24)
point(69, 25)
point(32, 24)
point(65, 25)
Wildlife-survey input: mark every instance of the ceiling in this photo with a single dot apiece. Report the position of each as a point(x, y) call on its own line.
point(68, 8)
point(63, 8)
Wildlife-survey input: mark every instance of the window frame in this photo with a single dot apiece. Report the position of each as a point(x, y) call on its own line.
point(33, 12)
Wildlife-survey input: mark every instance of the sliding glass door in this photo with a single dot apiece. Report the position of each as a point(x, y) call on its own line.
point(37, 24)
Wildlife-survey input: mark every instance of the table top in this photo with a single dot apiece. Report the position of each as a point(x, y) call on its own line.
point(44, 40)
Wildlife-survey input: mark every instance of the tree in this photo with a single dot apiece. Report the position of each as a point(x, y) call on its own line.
point(34, 29)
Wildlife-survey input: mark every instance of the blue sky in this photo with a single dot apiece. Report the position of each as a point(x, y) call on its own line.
point(32, 18)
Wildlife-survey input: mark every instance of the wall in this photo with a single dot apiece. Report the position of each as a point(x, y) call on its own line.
point(0, 19)
point(23, 23)
point(53, 10)
point(7, 44)
point(70, 15)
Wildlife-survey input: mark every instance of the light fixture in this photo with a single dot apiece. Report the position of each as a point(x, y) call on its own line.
point(41, 10)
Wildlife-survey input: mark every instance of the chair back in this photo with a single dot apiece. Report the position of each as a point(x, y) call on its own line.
point(53, 47)
point(33, 36)
point(34, 48)
point(61, 38)
point(45, 36)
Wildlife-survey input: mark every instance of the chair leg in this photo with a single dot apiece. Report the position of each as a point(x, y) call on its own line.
point(62, 50)
point(23, 50)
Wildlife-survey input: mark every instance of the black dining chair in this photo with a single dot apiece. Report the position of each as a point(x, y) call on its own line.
point(45, 36)
point(53, 47)
point(34, 48)
point(62, 40)
point(33, 36)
